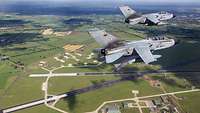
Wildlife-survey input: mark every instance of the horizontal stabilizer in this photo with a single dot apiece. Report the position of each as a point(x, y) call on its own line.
point(157, 56)
point(123, 61)
point(119, 66)
point(145, 53)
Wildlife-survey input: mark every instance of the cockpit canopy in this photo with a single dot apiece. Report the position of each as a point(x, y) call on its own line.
point(163, 12)
point(159, 38)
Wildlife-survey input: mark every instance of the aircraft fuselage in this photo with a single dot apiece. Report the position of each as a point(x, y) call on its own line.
point(162, 16)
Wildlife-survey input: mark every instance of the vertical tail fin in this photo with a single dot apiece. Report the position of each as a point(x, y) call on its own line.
point(127, 11)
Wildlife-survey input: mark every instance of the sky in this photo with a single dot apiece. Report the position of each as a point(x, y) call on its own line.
point(134, 1)
point(100, 3)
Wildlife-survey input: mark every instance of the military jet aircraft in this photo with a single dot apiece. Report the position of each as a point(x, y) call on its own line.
point(132, 18)
point(121, 53)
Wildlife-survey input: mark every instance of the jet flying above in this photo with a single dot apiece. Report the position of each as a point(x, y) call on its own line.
point(121, 53)
point(132, 17)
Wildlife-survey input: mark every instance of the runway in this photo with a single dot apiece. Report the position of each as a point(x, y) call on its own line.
point(113, 73)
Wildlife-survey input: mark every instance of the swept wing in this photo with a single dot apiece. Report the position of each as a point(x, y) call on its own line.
point(102, 37)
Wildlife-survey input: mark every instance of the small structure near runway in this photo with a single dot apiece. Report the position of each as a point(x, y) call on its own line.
point(50, 31)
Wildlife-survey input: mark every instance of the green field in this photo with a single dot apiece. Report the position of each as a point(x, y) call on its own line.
point(28, 46)
point(6, 72)
point(190, 102)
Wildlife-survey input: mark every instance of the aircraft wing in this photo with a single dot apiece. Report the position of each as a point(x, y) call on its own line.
point(145, 53)
point(153, 19)
point(102, 37)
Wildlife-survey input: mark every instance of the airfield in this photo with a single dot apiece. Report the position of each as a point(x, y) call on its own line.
point(35, 45)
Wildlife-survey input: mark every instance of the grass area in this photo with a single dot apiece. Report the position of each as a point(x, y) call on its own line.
point(7, 75)
point(190, 102)
point(131, 110)
point(146, 110)
point(23, 90)
point(70, 83)
point(102, 68)
point(90, 101)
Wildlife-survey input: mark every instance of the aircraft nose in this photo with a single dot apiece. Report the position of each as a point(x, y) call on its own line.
point(127, 21)
point(174, 16)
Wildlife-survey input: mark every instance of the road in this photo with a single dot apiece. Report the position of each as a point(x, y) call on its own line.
point(113, 73)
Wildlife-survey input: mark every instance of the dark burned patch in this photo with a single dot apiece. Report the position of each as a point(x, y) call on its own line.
point(12, 23)
point(115, 44)
point(77, 21)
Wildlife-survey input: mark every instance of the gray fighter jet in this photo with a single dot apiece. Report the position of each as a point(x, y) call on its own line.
point(132, 18)
point(121, 53)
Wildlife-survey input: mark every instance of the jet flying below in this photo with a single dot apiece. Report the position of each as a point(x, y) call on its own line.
point(121, 53)
point(132, 17)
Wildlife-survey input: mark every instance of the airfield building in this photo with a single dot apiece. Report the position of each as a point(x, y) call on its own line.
point(111, 109)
